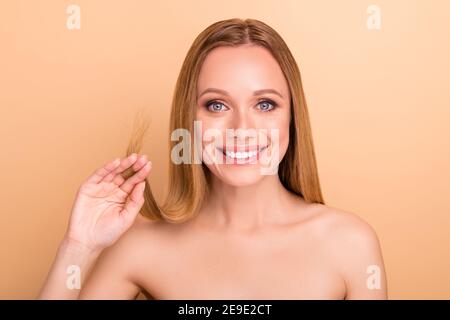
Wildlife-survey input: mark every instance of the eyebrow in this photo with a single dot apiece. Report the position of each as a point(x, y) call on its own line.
point(255, 93)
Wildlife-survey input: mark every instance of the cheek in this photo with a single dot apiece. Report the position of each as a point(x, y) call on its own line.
point(213, 130)
point(280, 123)
point(284, 140)
point(284, 130)
point(284, 135)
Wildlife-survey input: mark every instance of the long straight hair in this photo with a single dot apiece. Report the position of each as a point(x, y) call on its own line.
point(189, 183)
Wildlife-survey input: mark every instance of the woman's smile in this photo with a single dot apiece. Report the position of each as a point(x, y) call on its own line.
point(242, 154)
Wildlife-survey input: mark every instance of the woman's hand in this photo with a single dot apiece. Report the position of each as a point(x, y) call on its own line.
point(105, 207)
point(107, 204)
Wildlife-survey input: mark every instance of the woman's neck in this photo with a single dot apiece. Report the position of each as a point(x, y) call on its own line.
point(248, 208)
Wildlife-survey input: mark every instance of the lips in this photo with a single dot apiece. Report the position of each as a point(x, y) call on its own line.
point(243, 148)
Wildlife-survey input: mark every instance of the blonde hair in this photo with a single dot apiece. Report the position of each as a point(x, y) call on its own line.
point(189, 183)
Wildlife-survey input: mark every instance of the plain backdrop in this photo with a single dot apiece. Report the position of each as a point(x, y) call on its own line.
point(379, 102)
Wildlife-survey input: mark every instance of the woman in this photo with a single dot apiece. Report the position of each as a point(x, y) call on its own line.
point(226, 230)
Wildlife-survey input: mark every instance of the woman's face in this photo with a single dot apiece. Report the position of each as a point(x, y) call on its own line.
point(242, 88)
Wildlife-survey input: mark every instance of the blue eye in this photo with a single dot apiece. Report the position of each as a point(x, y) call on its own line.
point(267, 105)
point(214, 106)
point(264, 105)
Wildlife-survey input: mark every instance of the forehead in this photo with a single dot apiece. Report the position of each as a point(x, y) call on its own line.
point(241, 69)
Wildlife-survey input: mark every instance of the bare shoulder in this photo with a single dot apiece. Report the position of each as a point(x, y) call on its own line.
point(346, 238)
point(134, 249)
point(342, 228)
point(118, 270)
point(140, 239)
point(352, 245)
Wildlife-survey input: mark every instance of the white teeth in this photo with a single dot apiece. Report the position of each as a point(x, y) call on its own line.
point(241, 155)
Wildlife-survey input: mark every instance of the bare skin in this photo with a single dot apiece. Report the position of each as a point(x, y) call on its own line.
point(252, 239)
point(321, 255)
point(105, 207)
point(312, 252)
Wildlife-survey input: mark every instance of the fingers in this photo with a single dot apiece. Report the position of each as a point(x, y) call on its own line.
point(102, 172)
point(137, 178)
point(134, 203)
point(124, 165)
point(111, 171)
point(141, 161)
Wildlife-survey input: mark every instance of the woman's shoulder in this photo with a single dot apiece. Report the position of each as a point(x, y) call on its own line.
point(138, 243)
point(144, 233)
point(121, 268)
point(353, 248)
point(343, 229)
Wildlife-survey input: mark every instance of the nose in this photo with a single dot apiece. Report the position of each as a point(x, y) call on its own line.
point(243, 125)
point(242, 119)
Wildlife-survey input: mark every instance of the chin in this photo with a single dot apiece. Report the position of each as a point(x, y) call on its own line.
point(239, 176)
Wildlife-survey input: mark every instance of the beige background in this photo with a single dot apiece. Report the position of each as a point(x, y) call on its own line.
point(379, 102)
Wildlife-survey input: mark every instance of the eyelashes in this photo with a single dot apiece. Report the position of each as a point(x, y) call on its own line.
point(209, 105)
